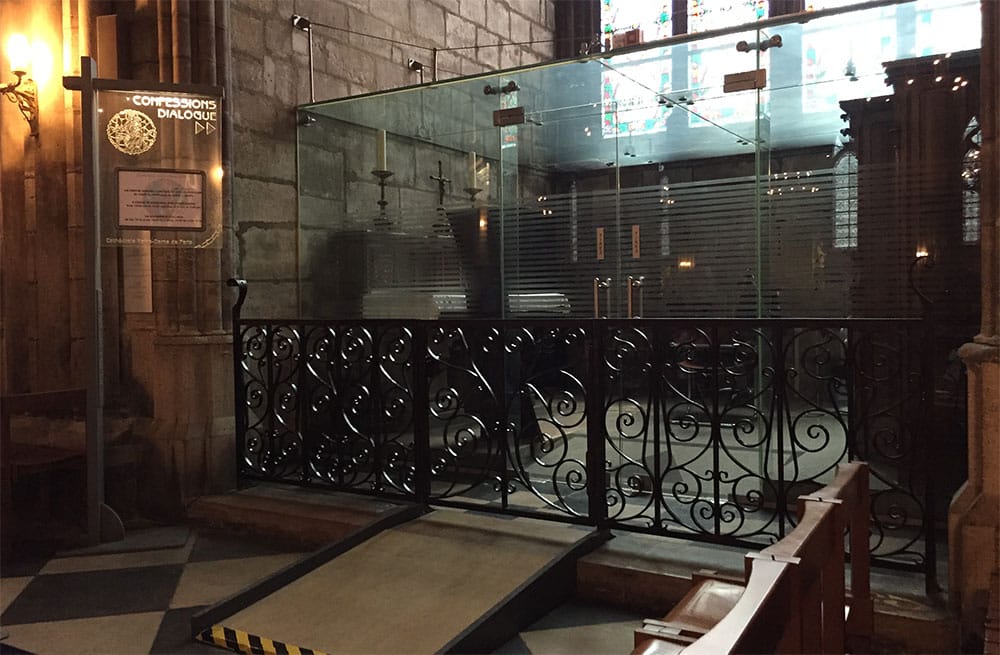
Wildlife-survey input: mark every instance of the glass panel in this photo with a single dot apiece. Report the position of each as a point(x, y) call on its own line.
point(633, 184)
point(430, 250)
point(866, 167)
point(856, 116)
point(647, 146)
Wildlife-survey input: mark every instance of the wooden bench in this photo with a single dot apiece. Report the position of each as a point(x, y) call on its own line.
point(793, 597)
point(24, 459)
point(21, 461)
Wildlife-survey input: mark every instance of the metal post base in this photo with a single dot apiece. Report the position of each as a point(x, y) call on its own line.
point(112, 528)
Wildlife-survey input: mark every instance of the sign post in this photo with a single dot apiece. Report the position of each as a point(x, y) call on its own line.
point(155, 181)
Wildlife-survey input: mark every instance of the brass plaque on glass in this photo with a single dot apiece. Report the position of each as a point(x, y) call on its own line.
point(600, 244)
point(755, 79)
point(505, 117)
point(635, 242)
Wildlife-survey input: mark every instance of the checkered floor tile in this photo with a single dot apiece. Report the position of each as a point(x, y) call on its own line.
point(128, 602)
point(125, 603)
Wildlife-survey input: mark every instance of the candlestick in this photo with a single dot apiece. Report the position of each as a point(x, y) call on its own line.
point(382, 176)
point(472, 191)
point(381, 163)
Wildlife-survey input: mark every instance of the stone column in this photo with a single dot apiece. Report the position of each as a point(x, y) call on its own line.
point(974, 516)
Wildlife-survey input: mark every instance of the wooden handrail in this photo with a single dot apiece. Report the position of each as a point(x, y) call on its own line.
point(752, 626)
point(794, 598)
point(850, 489)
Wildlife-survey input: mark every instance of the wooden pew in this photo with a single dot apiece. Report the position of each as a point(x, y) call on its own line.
point(794, 597)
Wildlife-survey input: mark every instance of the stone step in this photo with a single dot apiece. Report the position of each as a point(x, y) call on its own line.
point(304, 516)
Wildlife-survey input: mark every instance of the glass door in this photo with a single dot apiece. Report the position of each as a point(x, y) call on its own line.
point(630, 185)
point(559, 162)
point(630, 190)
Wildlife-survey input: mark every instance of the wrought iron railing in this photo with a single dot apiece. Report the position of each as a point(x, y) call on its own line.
point(705, 429)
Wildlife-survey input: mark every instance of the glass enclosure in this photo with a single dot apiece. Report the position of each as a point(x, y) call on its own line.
point(657, 181)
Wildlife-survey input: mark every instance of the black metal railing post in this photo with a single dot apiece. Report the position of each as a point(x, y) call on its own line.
point(924, 431)
point(849, 388)
point(421, 414)
point(596, 394)
point(656, 369)
point(716, 421)
point(779, 399)
point(929, 438)
point(239, 388)
point(504, 423)
point(303, 391)
point(375, 418)
point(926, 434)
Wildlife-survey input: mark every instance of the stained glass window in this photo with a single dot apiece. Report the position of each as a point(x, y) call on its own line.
point(704, 15)
point(814, 5)
point(508, 134)
point(840, 61)
point(707, 68)
point(970, 182)
point(630, 94)
point(652, 18)
point(943, 26)
point(845, 198)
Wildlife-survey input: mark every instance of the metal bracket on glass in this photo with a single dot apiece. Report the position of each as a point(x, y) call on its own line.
point(773, 42)
point(598, 285)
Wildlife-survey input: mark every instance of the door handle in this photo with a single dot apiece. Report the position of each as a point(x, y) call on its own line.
point(635, 283)
point(599, 284)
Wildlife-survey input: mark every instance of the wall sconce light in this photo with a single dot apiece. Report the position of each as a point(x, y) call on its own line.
point(921, 252)
point(685, 263)
point(22, 92)
point(416, 67)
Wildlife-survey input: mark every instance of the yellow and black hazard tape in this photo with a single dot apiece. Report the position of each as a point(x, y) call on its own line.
point(244, 642)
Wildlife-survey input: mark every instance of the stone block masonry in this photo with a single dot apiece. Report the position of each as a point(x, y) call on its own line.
point(270, 68)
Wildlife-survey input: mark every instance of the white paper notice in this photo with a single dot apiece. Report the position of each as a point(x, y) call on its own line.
point(137, 277)
point(160, 200)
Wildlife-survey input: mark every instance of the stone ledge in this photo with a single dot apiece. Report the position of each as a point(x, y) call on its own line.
point(195, 339)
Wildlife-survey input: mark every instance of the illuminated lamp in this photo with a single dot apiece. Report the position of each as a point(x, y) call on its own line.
point(22, 92)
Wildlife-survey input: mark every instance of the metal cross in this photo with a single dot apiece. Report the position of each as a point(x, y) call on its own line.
point(441, 180)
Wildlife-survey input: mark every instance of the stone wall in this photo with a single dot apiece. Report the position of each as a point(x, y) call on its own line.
point(271, 77)
point(41, 251)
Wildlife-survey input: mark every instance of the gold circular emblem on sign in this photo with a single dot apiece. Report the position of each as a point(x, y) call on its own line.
point(131, 131)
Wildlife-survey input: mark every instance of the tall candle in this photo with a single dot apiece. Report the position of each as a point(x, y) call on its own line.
point(380, 160)
point(472, 170)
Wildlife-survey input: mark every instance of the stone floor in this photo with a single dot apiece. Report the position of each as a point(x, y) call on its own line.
point(139, 597)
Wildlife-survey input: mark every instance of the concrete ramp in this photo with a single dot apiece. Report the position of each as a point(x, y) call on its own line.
point(448, 581)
